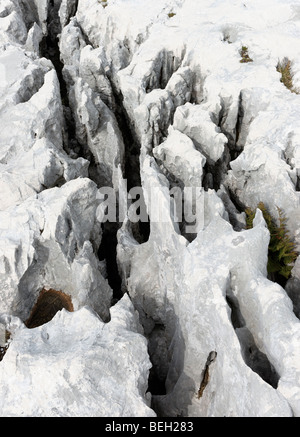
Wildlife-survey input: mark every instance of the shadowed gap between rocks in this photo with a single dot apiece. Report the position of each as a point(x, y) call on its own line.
point(253, 357)
point(49, 48)
point(141, 231)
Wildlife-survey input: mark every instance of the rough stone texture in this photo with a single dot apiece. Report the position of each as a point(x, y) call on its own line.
point(154, 91)
point(77, 366)
point(48, 243)
point(90, 98)
point(191, 282)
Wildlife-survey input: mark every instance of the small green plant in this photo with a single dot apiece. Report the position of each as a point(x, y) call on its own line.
point(281, 250)
point(245, 55)
point(171, 14)
point(285, 69)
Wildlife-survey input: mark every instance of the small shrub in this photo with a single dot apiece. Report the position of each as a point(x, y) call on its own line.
point(245, 56)
point(171, 14)
point(281, 250)
point(285, 69)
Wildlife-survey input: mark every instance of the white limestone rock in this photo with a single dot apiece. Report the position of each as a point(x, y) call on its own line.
point(66, 11)
point(180, 157)
point(77, 366)
point(191, 282)
point(22, 76)
point(121, 38)
point(12, 25)
point(43, 166)
point(195, 122)
point(42, 9)
point(50, 240)
point(154, 83)
point(31, 116)
point(267, 170)
point(97, 128)
point(38, 114)
point(93, 69)
point(71, 42)
point(91, 100)
point(181, 85)
point(34, 39)
point(209, 293)
point(152, 118)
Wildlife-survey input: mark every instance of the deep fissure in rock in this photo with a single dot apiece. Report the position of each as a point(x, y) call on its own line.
point(140, 230)
point(131, 143)
point(213, 173)
point(253, 357)
point(107, 252)
point(49, 48)
point(157, 375)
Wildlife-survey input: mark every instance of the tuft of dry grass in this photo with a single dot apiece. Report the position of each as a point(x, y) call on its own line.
point(285, 69)
point(48, 303)
point(171, 14)
point(245, 55)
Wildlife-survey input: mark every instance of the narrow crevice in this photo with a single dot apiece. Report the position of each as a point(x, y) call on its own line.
point(165, 65)
point(108, 246)
point(3, 350)
point(108, 252)
point(279, 279)
point(234, 145)
point(255, 359)
point(252, 356)
point(49, 48)
point(84, 35)
point(140, 230)
point(237, 319)
point(156, 385)
point(236, 218)
point(292, 288)
point(131, 143)
point(238, 126)
point(72, 12)
point(157, 349)
point(215, 172)
point(240, 207)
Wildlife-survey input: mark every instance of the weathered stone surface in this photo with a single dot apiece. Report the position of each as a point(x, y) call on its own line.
point(71, 363)
point(152, 92)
